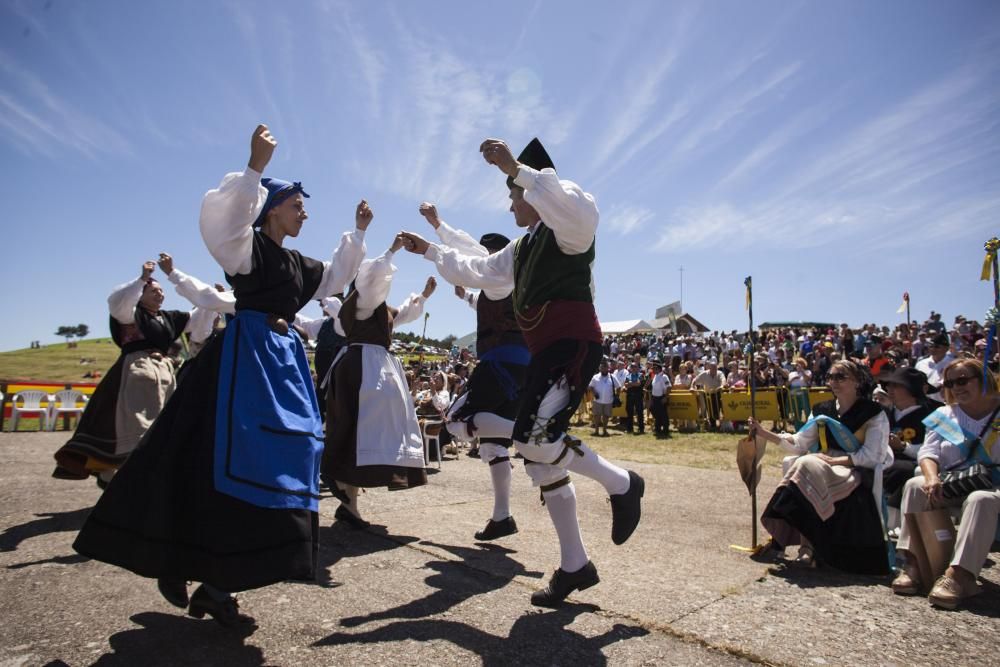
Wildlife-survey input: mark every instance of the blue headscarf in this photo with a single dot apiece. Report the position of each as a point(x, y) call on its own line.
point(277, 192)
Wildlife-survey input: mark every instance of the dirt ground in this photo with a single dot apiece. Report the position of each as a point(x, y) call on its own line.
point(418, 588)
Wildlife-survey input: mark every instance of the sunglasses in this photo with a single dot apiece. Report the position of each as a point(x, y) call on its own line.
point(838, 377)
point(957, 382)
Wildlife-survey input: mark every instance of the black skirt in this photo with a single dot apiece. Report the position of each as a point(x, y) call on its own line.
point(162, 517)
point(851, 540)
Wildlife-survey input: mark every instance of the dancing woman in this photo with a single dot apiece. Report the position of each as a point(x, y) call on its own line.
point(224, 489)
point(373, 437)
point(134, 391)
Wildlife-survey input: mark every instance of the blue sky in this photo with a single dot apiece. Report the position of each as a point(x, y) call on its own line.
point(840, 152)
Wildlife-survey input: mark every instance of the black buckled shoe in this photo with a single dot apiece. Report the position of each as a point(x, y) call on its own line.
point(225, 612)
point(174, 591)
point(626, 509)
point(563, 583)
point(497, 529)
point(345, 515)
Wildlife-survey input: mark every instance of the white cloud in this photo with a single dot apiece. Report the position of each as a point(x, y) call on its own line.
point(627, 219)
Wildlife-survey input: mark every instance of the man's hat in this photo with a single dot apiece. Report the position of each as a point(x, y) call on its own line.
point(910, 378)
point(941, 339)
point(494, 241)
point(533, 156)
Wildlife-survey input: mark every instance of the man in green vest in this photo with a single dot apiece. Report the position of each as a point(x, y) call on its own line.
point(549, 269)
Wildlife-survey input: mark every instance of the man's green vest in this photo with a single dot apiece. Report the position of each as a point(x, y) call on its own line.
point(543, 272)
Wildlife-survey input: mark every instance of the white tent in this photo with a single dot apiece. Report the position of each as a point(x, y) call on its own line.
point(625, 326)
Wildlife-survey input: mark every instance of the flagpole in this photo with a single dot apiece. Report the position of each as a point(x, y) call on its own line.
point(753, 403)
point(907, 295)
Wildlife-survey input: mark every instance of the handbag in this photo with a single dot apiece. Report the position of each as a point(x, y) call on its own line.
point(960, 483)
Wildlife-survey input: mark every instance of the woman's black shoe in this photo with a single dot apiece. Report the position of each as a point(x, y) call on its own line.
point(225, 612)
point(174, 591)
point(345, 515)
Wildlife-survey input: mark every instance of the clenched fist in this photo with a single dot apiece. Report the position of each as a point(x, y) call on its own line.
point(262, 146)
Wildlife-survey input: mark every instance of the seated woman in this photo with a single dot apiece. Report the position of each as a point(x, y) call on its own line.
point(906, 413)
point(825, 502)
point(963, 432)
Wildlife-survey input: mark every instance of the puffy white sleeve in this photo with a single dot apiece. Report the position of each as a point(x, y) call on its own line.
point(409, 310)
point(494, 271)
point(201, 294)
point(227, 216)
point(799, 443)
point(931, 449)
point(311, 325)
point(460, 241)
point(566, 209)
point(201, 324)
point(339, 272)
point(373, 283)
point(124, 299)
point(875, 449)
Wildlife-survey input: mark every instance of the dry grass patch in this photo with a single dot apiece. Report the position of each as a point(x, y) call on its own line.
point(713, 451)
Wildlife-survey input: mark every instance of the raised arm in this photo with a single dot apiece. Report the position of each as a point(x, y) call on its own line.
point(494, 271)
point(411, 309)
point(451, 237)
point(197, 292)
point(228, 212)
point(125, 298)
point(339, 272)
point(563, 206)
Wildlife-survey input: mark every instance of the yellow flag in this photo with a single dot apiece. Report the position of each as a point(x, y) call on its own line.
point(901, 309)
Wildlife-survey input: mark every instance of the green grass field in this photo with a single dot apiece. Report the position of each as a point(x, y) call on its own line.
point(714, 451)
point(58, 363)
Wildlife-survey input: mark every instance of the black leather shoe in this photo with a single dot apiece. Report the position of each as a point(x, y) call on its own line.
point(626, 508)
point(174, 591)
point(345, 515)
point(563, 583)
point(225, 612)
point(496, 529)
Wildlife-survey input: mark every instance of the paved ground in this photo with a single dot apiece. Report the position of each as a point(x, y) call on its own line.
point(420, 590)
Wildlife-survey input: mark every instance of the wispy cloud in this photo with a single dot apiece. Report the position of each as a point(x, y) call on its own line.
point(38, 118)
point(625, 220)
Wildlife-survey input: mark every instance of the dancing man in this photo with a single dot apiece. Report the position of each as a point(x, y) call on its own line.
point(553, 298)
point(496, 383)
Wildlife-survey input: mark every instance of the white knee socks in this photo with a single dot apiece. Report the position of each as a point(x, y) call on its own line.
point(615, 480)
point(501, 476)
point(561, 504)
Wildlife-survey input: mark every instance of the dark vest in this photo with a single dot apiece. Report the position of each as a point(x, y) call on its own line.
point(862, 410)
point(543, 272)
point(328, 340)
point(910, 428)
point(159, 331)
point(376, 330)
point(496, 324)
point(280, 281)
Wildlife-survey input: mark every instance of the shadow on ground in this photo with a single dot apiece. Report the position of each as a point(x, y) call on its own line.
point(534, 638)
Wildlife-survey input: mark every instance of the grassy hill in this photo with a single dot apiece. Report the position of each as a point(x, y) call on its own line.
point(59, 363)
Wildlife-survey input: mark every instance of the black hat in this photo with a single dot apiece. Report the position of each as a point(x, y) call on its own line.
point(494, 241)
point(940, 339)
point(911, 378)
point(533, 156)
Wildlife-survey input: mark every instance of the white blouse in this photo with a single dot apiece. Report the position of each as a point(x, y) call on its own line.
point(227, 216)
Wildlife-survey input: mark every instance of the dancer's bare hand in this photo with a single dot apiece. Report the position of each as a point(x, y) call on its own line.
point(495, 151)
point(430, 287)
point(147, 269)
point(459, 291)
point(430, 212)
point(166, 263)
point(363, 215)
point(415, 243)
point(262, 146)
point(398, 241)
